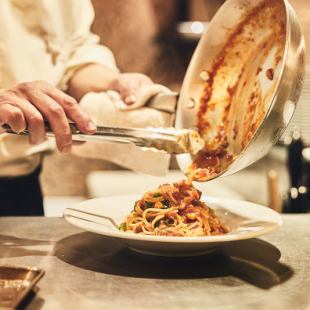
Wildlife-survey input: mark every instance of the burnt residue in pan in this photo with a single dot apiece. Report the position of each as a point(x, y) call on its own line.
point(270, 73)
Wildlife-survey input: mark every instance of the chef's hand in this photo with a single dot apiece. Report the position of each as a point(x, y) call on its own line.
point(27, 105)
point(98, 78)
point(128, 85)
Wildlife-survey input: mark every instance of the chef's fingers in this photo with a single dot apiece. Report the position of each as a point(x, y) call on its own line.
point(56, 117)
point(130, 99)
point(34, 119)
point(72, 110)
point(12, 116)
point(69, 104)
point(130, 93)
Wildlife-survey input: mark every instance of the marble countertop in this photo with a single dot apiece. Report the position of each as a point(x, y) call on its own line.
point(88, 271)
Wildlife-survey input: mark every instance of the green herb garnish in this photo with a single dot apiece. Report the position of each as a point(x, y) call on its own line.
point(166, 204)
point(122, 226)
point(169, 222)
point(157, 224)
point(149, 204)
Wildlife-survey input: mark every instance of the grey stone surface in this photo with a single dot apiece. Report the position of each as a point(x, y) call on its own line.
point(88, 271)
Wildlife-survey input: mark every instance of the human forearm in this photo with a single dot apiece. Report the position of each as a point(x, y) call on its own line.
point(97, 78)
point(91, 78)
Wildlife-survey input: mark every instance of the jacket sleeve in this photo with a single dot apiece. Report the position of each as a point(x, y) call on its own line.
point(84, 45)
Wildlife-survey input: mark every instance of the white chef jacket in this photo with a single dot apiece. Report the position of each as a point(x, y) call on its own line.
point(43, 40)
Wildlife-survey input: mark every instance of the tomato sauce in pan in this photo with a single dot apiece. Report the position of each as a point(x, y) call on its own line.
point(234, 100)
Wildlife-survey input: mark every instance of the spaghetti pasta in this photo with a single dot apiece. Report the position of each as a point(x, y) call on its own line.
point(173, 210)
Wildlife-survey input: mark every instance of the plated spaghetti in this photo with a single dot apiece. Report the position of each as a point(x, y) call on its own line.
point(173, 210)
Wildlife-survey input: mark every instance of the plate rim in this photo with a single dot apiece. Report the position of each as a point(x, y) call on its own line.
point(174, 239)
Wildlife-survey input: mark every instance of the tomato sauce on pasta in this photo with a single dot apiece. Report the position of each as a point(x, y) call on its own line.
point(173, 210)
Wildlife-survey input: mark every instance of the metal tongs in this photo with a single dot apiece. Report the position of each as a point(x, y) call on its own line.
point(169, 140)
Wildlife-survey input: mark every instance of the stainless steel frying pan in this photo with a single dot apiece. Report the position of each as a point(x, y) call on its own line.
point(249, 45)
point(239, 92)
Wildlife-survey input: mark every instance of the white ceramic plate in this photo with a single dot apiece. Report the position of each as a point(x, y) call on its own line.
point(245, 220)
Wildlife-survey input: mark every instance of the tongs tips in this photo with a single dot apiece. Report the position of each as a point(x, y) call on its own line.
point(175, 141)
